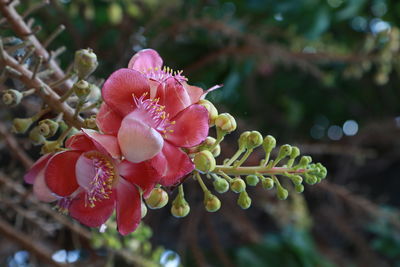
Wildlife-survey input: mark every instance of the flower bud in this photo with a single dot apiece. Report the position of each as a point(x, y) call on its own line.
point(310, 179)
point(299, 188)
point(211, 202)
point(48, 128)
point(21, 125)
point(81, 89)
point(50, 147)
point(208, 143)
point(295, 152)
point(284, 151)
point(204, 161)
point(143, 209)
point(254, 139)
point(180, 208)
point(36, 137)
point(282, 193)
point(225, 122)
point(269, 143)
point(212, 111)
point(90, 122)
point(244, 201)
point(252, 180)
point(267, 183)
point(304, 161)
point(85, 62)
point(242, 142)
point(12, 97)
point(297, 179)
point(157, 199)
point(95, 93)
point(221, 185)
point(238, 185)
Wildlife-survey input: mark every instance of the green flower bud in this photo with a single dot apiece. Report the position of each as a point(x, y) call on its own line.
point(48, 128)
point(212, 111)
point(85, 62)
point(12, 97)
point(242, 142)
point(157, 199)
point(284, 151)
point(282, 193)
point(295, 152)
point(252, 180)
point(50, 147)
point(21, 125)
point(180, 208)
point(81, 89)
point(269, 143)
point(310, 179)
point(297, 179)
point(143, 209)
point(244, 201)
point(299, 188)
point(204, 161)
point(225, 122)
point(267, 183)
point(36, 137)
point(211, 202)
point(221, 185)
point(238, 185)
point(95, 93)
point(90, 122)
point(304, 161)
point(254, 140)
point(208, 143)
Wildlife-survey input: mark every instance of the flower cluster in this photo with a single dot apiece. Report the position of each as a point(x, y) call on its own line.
point(148, 115)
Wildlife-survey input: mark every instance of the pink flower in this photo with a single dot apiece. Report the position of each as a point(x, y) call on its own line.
point(90, 181)
point(152, 112)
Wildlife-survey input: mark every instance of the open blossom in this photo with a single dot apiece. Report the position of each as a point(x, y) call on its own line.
point(90, 181)
point(152, 112)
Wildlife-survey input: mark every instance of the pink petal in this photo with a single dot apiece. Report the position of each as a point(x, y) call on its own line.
point(138, 141)
point(60, 173)
point(128, 205)
point(42, 192)
point(31, 175)
point(84, 171)
point(141, 174)
point(107, 144)
point(80, 142)
point(92, 217)
point(191, 127)
point(195, 93)
point(107, 120)
point(145, 59)
point(172, 164)
point(174, 97)
point(120, 86)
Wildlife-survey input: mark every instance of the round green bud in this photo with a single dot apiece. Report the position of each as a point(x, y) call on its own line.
point(295, 152)
point(299, 188)
point(269, 143)
point(238, 185)
point(12, 97)
point(252, 180)
point(244, 201)
point(254, 139)
point(204, 161)
point(282, 193)
point(143, 209)
point(180, 210)
point(85, 62)
point(36, 137)
point(48, 128)
point(225, 122)
point(311, 180)
point(211, 202)
point(50, 147)
point(221, 185)
point(267, 183)
point(297, 179)
point(243, 139)
point(157, 199)
point(81, 89)
point(90, 122)
point(212, 111)
point(284, 151)
point(21, 125)
point(208, 143)
point(304, 161)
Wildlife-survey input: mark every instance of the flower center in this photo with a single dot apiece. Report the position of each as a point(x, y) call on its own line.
point(161, 75)
point(154, 114)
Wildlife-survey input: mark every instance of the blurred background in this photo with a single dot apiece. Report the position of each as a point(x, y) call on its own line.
point(319, 74)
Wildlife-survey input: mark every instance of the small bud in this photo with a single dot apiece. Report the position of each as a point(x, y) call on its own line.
point(267, 183)
point(12, 97)
point(254, 139)
point(36, 137)
point(304, 161)
point(221, 185)
point(180, 208)
point(157, 199)
point(204, 161)
point(90, 122)
point(242, 142)
point(311, 179)
point(48, 128)
point(81, 89)
point(21, 125)
point(50, 147)
point(208, 143)
point(282, 193)
point(238, 185)
point(284, 151)
point(211, 202)
point(297, 179)
point(212, 111)
point(143, 209)
point(85, 62)
point(299, 188)
point(244, 201)
point(269, 143)
point(225, 122)
point(95, 93)
point(252, 180)
point(295, 152)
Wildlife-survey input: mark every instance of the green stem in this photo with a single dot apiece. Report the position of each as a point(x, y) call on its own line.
point(60, 139)
point(243, 159)
point(234, 171)
point(181, 193)
point(234, 157)
point(225, 176)
point(202, 185)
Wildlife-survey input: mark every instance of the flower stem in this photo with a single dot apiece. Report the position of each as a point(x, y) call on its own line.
point(202, 185)
point(234, 157)
point(243, 159)
point(234, 171)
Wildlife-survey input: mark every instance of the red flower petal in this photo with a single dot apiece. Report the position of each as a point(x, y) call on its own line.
point(145, 59)
point(60, 173)
point(120, 86)
point(107, 120)
point(31, 175)
point(107, 144)
point(141, 174)
point(172, 164)
point(174, 97)
point(191, 127)
point(42, 192)
point(92, 217)
point(195, 93)
point(128, 205)
point(80, 142)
